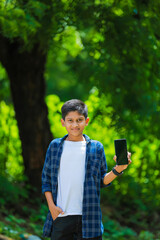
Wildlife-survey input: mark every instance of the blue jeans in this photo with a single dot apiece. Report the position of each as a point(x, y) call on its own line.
point(69, 228)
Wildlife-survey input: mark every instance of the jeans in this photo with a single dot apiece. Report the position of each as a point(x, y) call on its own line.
point(69, 228)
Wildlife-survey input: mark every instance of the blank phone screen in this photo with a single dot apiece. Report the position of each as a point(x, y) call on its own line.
point(121, 151)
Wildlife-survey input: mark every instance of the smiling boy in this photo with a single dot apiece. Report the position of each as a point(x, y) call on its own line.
point(75, 169)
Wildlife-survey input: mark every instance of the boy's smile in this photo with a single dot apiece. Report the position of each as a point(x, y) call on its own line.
point(75, 123)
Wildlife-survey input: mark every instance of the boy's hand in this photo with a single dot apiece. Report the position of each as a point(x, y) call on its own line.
point(120, 168)
point(55, 212)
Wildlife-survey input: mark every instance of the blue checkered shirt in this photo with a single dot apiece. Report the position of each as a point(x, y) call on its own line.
point(95, 170)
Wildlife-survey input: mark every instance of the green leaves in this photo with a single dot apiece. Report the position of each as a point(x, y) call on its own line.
point(10, 148)
point(17, 23)
point(113, 230)
point(29, 22)
point(70, 41)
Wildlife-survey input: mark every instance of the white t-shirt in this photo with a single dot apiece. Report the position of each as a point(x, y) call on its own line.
point(71, 178)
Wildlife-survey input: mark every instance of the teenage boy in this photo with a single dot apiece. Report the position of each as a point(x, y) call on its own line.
point(74, 171)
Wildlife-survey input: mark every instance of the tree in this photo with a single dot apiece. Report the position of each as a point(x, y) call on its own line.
point(24, 61)
point(122, 58)
point(118, 37)
point(27, 31)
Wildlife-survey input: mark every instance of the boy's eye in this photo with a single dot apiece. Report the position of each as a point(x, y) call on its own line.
point(78, 120)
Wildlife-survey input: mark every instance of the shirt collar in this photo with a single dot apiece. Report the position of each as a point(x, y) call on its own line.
point(86, 137)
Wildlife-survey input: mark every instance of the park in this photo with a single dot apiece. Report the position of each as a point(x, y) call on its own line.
point(106, 53)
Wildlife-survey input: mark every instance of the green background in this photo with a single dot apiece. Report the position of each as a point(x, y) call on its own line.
point(107, 54)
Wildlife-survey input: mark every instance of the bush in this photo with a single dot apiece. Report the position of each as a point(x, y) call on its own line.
point(11, 193)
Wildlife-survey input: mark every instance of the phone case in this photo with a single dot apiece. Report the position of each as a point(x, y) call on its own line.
point(121, 151)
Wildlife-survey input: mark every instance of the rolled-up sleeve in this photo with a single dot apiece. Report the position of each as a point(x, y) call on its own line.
point(46, 172)
point(104, 168)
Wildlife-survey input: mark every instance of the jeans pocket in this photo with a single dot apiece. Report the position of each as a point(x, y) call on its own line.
point(56, 220)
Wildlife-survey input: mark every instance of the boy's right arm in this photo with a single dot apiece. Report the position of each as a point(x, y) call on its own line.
point(46, 185)
point(55, 211)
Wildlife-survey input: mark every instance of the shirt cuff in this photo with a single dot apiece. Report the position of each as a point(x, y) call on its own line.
point(46, 188)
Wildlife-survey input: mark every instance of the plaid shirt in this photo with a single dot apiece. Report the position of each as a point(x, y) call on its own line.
point(95, 170)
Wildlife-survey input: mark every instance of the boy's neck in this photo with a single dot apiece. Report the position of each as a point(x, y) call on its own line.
point(75, 139)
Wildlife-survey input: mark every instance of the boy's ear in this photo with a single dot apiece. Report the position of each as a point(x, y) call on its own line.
point(87, 121)
point(62, 121)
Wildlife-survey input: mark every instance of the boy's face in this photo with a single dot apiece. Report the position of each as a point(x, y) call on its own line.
point(75, 123)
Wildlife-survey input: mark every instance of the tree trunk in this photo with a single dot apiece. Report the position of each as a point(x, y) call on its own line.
point(26, 74)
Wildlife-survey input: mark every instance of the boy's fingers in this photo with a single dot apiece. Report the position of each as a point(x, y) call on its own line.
point(129, 161)
point(114, 158)
point(60, 211)
point(129, 157)
point(129, 154)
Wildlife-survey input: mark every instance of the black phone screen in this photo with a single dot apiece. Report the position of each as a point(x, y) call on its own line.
point(121, 151)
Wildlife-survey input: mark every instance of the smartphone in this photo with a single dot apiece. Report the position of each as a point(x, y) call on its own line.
point(121, 151)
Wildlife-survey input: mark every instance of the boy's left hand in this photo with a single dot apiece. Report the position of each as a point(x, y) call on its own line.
point(120, 168)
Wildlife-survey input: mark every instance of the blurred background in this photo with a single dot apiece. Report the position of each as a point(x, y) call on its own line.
point(106, 53)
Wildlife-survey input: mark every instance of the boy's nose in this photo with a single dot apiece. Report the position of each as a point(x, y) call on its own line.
point(75, 123)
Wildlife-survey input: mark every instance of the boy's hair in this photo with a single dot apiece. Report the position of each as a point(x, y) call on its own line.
point(74, 105)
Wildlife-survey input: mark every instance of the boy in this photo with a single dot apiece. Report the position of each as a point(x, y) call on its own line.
point(74, 170)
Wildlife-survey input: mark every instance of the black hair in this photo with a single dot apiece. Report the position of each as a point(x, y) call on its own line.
point(74, 105)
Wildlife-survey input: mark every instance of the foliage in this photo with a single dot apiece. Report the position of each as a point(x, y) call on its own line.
point(22, 210)
point(10, 193)
point(109, 44)
point(59, 78)
point(134, 206)
point(145, 235)
point(113, 45)
point(54, 114)
point(11, 163)
point(113, 230)
point(136, 184)
point(4, 85)
point(106, 53)
point(31, 219)
point(121, 57)
point(36, 20)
